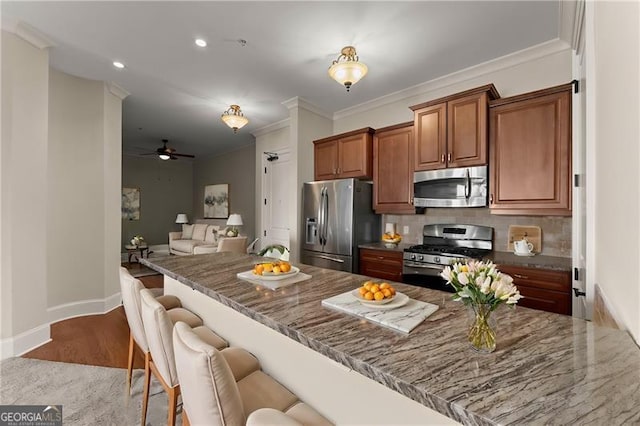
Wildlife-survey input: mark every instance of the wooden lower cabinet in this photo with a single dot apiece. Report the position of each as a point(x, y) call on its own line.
point(384, 264)
point(542, 289)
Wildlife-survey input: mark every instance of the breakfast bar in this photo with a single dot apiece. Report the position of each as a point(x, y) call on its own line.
point(547, 368)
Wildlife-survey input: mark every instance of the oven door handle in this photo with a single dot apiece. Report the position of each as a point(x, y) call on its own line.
point(423, 266)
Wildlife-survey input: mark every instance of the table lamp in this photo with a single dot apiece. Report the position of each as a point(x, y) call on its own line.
point(234, 220)
point(182, 218)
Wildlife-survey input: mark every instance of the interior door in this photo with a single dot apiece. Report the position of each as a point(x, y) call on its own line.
point(276, 199)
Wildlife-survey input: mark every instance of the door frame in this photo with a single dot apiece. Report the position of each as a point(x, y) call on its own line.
point(263, 195)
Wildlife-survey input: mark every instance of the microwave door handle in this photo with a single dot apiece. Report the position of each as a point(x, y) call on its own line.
point(467, 186)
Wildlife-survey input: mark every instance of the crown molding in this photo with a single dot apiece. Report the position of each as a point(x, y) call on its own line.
point(271, 127)
point(117, 90)
point(549, 48)
point(30, 35)
point(570, 19)
point(298, 102)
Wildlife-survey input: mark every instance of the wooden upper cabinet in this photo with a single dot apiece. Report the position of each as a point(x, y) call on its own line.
point(393, 169)
point(325, 158)
point(349, 155)
point(430, 125)
point(530, 143)
point(467, 133)
point(453, 131)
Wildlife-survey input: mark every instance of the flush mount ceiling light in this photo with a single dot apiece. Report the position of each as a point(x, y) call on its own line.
point(234, 118)
point(118, 64)
point(347, 70)
point(200, 42)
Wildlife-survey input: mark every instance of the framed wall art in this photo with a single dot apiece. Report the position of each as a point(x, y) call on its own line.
point(216, 201)
point(131, 203)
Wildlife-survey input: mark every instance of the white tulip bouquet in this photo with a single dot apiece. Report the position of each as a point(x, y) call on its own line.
point(483, 288)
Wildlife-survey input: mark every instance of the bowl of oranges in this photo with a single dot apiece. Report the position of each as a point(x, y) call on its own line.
point(274, 270)
point(372, 293)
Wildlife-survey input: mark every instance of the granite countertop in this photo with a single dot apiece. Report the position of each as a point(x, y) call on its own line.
point(547, 368)
point(537, 261)
point(380, 246)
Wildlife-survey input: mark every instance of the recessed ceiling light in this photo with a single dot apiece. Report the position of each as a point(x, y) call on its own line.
point(118, 64)
point(200, 42)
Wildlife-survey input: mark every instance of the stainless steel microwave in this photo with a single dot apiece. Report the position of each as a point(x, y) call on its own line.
point(459, 187)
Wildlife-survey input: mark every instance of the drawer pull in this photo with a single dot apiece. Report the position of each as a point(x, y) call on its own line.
point(522, 277)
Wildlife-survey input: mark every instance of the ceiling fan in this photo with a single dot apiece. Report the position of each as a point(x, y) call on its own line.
point(167, 153)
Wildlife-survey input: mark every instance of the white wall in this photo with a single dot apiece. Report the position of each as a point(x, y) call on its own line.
point(23, 298)
point(75, 189)
point(615, 108)
point(60, 211)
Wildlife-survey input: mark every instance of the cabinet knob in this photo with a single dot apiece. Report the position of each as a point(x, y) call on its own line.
point(442, 158)
point(491, 198)
point(522, 277)
point(449, 157)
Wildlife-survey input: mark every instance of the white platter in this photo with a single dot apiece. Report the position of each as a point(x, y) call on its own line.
point(400, 299)
point(270, 276)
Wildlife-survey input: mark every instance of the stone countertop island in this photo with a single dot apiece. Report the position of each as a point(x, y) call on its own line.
point(547, 368)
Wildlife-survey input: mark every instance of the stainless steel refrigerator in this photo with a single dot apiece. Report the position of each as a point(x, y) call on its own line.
point(337, 217)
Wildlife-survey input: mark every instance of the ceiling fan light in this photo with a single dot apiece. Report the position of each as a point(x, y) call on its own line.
point(164, 156)
point(234, 118)
point(347, 70)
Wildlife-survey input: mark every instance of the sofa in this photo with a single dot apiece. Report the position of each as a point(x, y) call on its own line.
point(206, 237)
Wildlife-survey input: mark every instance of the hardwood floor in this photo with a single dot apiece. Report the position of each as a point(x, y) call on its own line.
point(101, 340)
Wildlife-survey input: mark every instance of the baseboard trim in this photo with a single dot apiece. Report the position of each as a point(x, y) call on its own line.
point(83, 308)
point(25, 342)
point(603, 314)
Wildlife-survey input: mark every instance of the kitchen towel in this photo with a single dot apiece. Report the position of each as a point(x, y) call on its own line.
point(404, 318)
point(274, 284)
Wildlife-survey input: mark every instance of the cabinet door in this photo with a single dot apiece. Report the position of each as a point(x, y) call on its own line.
point(355, 156)
point(325, 156)
point(467, 131)
point(386, 265)
point(430, 137)
point(542, 289)
point(530, 143)
point(393, 171)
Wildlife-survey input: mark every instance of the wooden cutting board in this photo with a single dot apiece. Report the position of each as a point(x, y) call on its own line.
point(533, 234)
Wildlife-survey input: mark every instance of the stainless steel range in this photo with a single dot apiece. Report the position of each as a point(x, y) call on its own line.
point(442, 245)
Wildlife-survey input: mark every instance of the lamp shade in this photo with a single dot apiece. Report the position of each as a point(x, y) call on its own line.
point(234, 220)
point(182, 218)
point(347, 69)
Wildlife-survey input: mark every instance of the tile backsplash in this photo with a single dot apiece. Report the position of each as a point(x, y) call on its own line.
point(556, 230)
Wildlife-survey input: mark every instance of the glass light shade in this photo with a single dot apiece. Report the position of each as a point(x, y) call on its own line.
point(234, 220)
point(164, 156)
point(347, 69)
point(182, 218)
point(348, 73)
point(234, 118)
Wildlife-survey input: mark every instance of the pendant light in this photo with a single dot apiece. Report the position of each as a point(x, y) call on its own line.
point(234, 118)
point(347, 69)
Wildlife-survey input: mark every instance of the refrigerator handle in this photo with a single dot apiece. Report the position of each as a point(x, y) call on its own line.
point(326, 216)
point(321, 218)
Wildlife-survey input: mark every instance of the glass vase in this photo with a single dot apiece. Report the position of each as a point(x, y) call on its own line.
point(482, 328)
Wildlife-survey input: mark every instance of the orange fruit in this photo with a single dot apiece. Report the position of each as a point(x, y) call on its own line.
point(379, 295)
point(363, 291)
point(268, 267)
point(393, 290)
point(276, 269)
point(367, 285)
point(368, 295)
point(386, 292)
point(384, 285)
point(258, 269)
point(374, 288)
